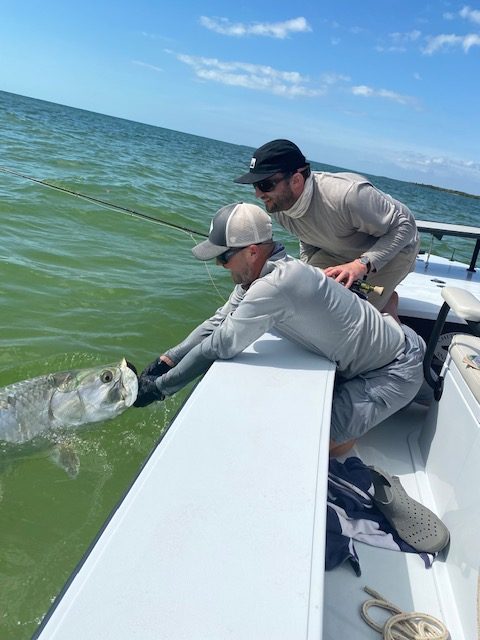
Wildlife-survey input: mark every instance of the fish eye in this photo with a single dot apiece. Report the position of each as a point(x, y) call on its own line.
point(106, 376)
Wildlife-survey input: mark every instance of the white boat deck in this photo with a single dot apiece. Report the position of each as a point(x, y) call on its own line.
point(400, 577)
point(435, 453)
point(222, 534)
point(420, 292)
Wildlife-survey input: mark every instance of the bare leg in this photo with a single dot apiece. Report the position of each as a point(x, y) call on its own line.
point(339, 449)
point(391, 306)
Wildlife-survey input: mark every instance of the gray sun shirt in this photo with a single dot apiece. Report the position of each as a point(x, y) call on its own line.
point(348, 217)
point(299, 302)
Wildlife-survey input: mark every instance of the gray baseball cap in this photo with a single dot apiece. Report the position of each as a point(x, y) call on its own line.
point(235, 225)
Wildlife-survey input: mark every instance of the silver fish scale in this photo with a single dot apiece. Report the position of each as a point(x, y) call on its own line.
point(66, 399)
point(24, 408)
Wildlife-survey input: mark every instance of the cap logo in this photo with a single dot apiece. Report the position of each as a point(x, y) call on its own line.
point(253, 162)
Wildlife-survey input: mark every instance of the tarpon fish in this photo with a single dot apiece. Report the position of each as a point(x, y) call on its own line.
point(65, 399)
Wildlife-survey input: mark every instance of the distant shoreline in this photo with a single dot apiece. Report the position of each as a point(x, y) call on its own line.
point(457, 193)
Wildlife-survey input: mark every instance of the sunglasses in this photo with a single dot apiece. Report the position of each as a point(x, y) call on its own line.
point(269, 184)
point(227, 255)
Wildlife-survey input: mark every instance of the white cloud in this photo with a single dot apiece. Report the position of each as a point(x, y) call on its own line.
point(451, 40)
point(146, 65)
point(357, 30)
point(369, 92)
point(470, 14)
point(443, 41)
point(399, 41)
point(334, 78)
point(471, 40)
point(438, 163)
point(409, 36)
point(279, 30)
point(288, 84)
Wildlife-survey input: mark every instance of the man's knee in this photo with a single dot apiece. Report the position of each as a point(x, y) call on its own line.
point(391, 307)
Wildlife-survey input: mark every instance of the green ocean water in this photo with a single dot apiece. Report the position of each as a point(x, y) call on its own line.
point(83, 284)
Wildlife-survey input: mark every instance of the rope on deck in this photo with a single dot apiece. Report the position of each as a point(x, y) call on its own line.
point(401, 625)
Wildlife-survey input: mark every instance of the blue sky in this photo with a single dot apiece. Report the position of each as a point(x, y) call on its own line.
point(388, 87)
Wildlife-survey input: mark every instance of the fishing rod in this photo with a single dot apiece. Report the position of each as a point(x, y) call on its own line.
point(104, 203)
point(360, 287)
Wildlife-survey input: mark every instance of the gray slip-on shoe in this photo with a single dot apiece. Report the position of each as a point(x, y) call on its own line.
point(415, 524)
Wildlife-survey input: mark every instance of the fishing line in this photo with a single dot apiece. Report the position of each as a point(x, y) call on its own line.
point(117, 207)
point(104, 203)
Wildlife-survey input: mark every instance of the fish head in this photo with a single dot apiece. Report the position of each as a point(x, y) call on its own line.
point(92, 395)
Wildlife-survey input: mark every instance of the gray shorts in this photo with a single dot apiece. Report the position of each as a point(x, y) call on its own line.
point(359, 404)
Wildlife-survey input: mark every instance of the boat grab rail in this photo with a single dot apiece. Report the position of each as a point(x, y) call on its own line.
point(439, 229)
point(467, 307)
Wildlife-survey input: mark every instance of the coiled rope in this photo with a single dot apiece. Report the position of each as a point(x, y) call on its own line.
point(401, 625)
point(117, 207)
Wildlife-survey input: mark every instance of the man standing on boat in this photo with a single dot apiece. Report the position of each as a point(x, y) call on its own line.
point(345, 225)
point(379, 361)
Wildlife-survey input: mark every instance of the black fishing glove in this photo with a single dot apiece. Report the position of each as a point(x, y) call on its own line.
point(148, 391)
point(156, 368)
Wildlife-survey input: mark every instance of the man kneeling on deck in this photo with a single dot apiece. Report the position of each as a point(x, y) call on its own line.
point(379, 361)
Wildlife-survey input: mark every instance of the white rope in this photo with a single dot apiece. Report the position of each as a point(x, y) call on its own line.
point(401, 625)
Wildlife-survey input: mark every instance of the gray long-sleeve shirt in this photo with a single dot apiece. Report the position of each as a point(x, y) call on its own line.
point(349, 217)
point(300, 303)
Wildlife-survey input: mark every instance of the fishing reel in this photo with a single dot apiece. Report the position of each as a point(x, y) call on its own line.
point(362, 289)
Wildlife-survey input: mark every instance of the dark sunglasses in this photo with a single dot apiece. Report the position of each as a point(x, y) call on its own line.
point(227, 255)
point(269, 184)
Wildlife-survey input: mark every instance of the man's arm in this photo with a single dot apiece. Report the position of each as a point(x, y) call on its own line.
point(373, 212)
point(261, 308)
point(147, 390)
point(175, 354)
point(376, 214)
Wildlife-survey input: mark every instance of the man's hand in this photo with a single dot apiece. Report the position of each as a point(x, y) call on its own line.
point(148, 391)
point(347, 273)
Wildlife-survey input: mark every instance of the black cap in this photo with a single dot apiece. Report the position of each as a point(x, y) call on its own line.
point(272, 157)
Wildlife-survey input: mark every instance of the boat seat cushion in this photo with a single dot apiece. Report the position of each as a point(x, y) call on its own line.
point(462, 346)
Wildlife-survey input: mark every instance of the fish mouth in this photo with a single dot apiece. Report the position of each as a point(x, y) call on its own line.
point(124, 391)
point(131, 366)
point(128, 383)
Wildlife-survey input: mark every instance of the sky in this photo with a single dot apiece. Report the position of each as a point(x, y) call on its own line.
point(386, 87)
